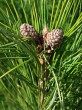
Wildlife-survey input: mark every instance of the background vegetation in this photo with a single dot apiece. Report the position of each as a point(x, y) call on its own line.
point(20, 69)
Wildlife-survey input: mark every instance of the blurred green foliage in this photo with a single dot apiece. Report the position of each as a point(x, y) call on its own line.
point(20, 69)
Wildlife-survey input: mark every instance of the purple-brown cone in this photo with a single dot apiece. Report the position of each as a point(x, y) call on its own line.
point(28, 30)
point(54, 38)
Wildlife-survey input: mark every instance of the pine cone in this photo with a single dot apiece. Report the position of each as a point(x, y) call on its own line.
point(28, 30)
point(54, 39)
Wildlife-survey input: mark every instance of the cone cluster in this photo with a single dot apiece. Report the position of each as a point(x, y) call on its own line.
point(52, 39)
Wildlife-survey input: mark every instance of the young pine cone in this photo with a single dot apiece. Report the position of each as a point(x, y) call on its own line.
point(28, 30)
point(52, 39)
